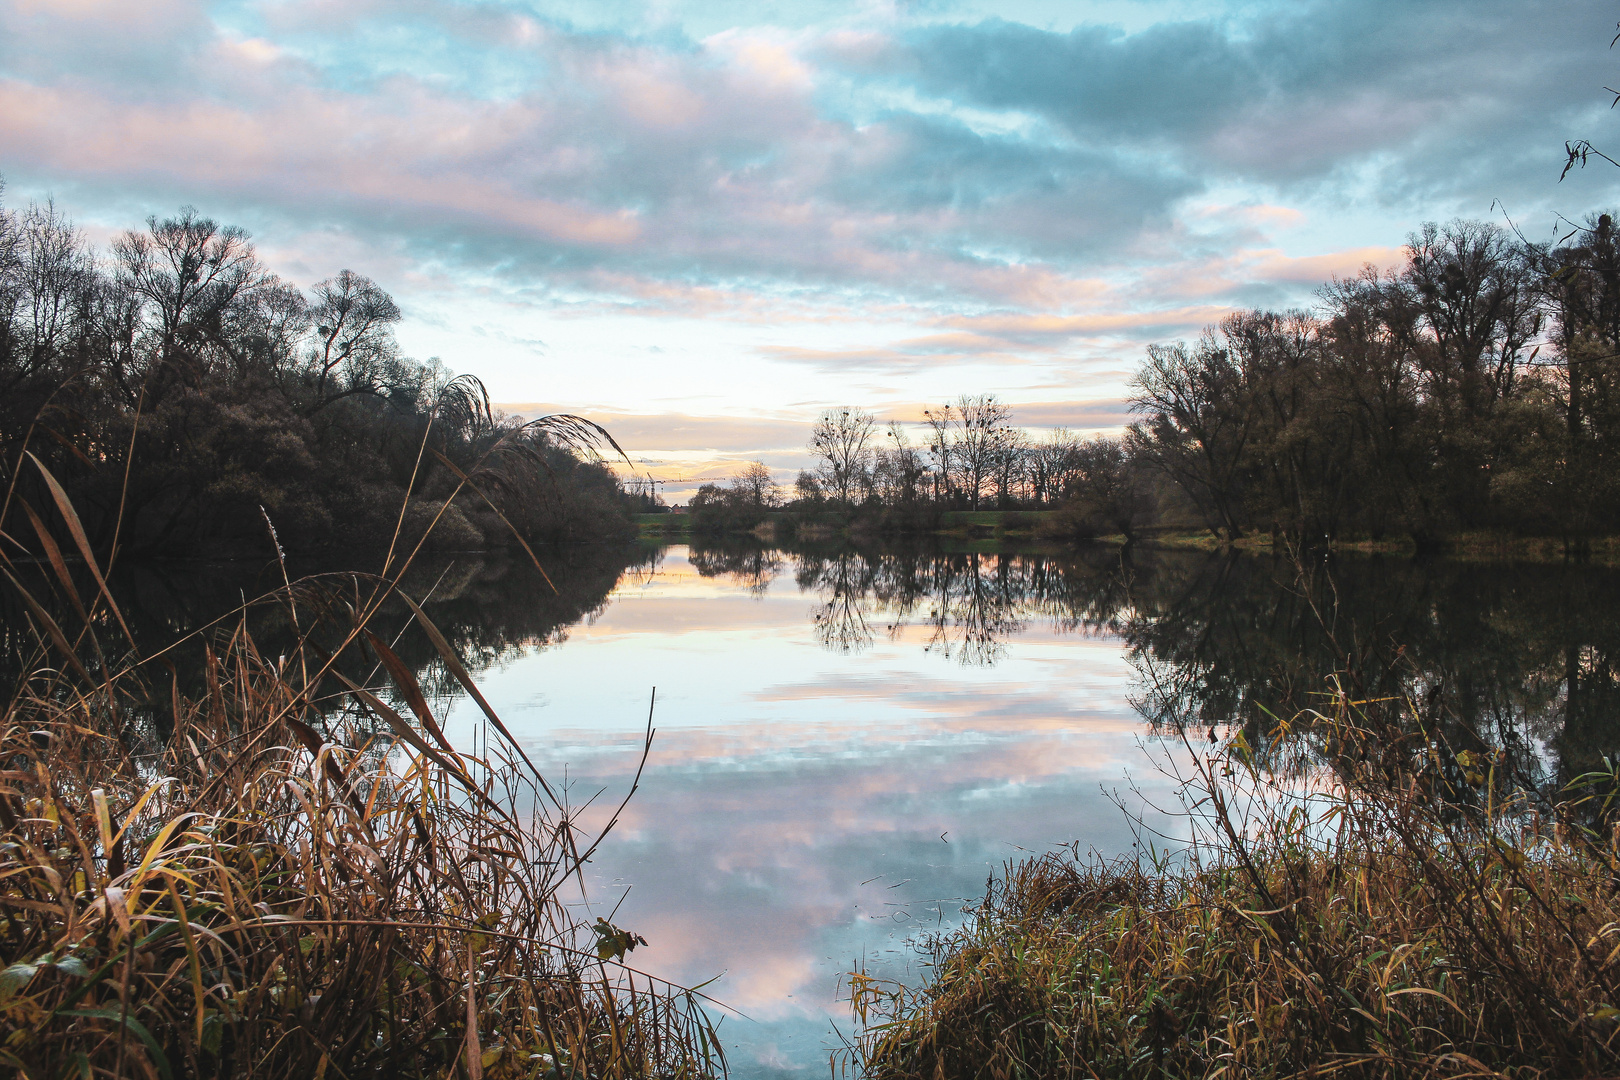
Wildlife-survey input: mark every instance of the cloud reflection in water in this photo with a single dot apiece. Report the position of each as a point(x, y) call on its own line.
point(808, 806)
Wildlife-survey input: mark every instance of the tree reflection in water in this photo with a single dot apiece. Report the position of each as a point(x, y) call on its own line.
point(488, 608)
point(972, 603)
point(752, 567)
point(1520, 657)
point(1517, 657)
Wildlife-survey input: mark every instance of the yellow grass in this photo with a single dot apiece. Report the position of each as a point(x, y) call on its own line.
point(290, 872)
point(1388, 907)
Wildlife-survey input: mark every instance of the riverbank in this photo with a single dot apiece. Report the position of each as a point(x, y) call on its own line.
point(1415, 912)
point(1038, 525)
point(278, 864)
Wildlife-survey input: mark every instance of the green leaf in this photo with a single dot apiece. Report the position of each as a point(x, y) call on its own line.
point(158, 1057)
point(15, 977)
point(213, 1031)
point(612, 942)
point(72, 965)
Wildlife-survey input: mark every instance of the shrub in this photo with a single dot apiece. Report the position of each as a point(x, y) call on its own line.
point(1387, 906)
point(285, 876)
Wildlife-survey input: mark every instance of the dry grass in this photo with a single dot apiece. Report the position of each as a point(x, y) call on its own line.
point(1388, 908)
point(283, 876)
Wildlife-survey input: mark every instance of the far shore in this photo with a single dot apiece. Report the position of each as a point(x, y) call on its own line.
point(997, 526)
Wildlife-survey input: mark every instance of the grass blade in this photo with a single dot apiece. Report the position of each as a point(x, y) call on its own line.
point(69, 515)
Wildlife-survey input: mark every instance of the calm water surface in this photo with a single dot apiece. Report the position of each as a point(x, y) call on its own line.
point(831, 773)
point(850, 742)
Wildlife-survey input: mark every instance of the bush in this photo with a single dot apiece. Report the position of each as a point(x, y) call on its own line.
point(438, 526)
point(284, 876)
point(1386, 907)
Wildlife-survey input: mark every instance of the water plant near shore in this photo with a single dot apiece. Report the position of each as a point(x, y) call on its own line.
point(1389, 906)
point(295, 872)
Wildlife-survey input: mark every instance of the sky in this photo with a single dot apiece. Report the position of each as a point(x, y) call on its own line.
point(701, 223)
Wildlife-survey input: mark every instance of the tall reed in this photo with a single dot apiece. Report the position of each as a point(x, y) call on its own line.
point(292, 872)
point(1391, 905)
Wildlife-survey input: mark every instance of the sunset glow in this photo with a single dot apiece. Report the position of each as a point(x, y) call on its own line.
point(702, 223)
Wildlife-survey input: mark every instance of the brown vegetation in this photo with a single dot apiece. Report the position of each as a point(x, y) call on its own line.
point(293, 872)
point(1382, 906)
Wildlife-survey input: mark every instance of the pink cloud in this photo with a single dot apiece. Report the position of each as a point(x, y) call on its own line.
point(1039, 327)
point(148, 16)
point(1320, 269)
point(1227, 272)
point(315, 143)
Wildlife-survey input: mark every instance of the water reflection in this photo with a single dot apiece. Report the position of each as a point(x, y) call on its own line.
point(753, 567)
point(850, 740)
point(1523, 657)
point(1519, 657)
point(489, 607)
point(807, 805)
point(971, 603)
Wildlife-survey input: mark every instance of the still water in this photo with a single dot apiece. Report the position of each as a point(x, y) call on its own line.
point(848, 743)
point(831, 773)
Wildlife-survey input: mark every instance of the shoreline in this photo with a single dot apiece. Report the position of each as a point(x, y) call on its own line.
point(1026, 525)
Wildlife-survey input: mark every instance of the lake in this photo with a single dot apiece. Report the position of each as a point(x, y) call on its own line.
point(833, 770)
point(849, 742)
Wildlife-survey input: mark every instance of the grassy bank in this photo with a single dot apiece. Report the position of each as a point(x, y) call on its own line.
point(981, 526)
point(1469, 546)
point(959, 524)
point(1383, 905)
point(664, 526)
point(293, 872)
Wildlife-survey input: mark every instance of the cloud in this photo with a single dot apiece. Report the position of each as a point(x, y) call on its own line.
point(584, 163)
point(868, 202)
point(488, 138)
point(918, 353)
point(694, 163)
point(1436, 96)
point(1080, 415)
point(1009, 339)
point(648, 432)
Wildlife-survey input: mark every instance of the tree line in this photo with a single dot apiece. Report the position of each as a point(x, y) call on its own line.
point(1475, 386)
point(188, 400)
point(971, 456)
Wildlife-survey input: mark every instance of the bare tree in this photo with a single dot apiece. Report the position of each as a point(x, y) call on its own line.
point(807, 487)
point(940, 448)
point(1198, 425)
point(968, 440)
point(187, 271)
point(353, 344)
point(842, 439)
point(755, 485)
point(1466, 306)
point(899, 473)
point(56, 274)
point(1051, 464)
point(1011, 466)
